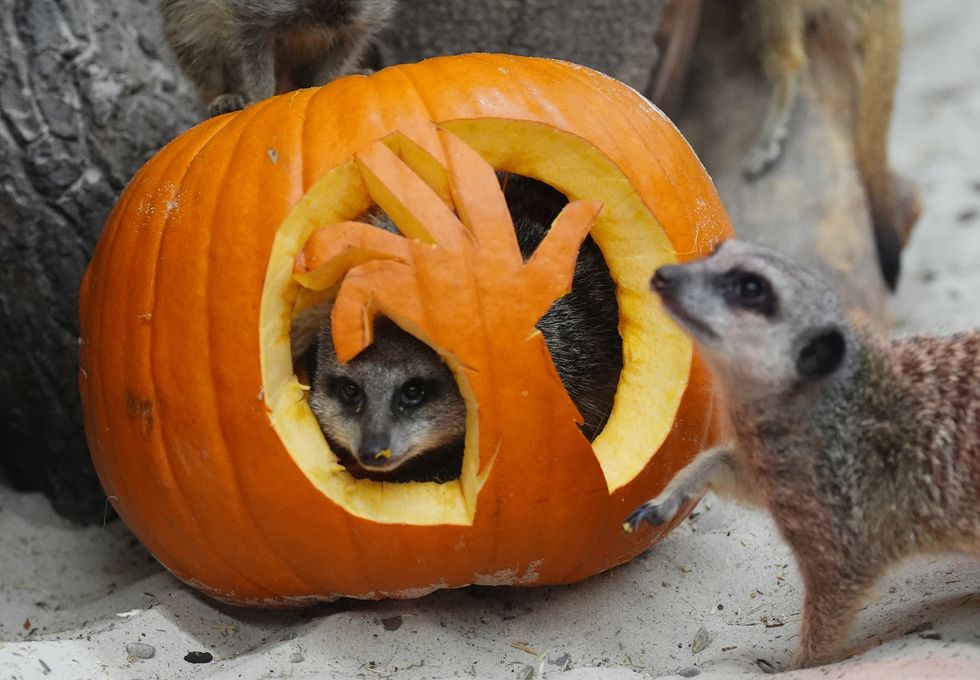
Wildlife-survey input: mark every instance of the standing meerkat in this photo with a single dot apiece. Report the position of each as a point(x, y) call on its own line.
point(238, 52)
point(776, 29)
point(865, 450)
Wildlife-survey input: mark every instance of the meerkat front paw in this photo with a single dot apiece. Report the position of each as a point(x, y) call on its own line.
point(716, 466)
point(656, 512)
point(766, 151)
point(226, 103)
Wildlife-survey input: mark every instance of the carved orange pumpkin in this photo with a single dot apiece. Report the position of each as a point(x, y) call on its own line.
point(199, 427)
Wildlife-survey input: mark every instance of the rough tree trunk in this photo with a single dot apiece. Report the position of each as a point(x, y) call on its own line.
point(87, 94)
point(612, 36)
point(88, 91)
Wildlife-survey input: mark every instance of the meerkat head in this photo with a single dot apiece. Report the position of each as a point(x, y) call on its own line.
point(761, 321)
point(391, 403)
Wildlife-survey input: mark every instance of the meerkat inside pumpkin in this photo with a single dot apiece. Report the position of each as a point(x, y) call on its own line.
point(394, 413)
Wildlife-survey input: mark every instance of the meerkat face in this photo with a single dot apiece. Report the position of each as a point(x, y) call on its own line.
point(393, 402)
point(761, 320)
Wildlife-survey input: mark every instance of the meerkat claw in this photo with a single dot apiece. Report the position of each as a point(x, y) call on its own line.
point(226, 103)
point(764, 154)
point(654, 514)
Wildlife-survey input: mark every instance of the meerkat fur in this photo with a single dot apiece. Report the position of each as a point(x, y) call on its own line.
point(865, 450)
point(236, 52)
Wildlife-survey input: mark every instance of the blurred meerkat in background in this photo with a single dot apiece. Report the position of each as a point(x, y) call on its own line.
point(776, 29)
point(238, 52)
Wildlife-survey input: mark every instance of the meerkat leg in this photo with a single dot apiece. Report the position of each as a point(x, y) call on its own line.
point(831, 603)
point(775, 28)
point(253, 80)
point(892, 198)
point(716, 469)
point(341, 58)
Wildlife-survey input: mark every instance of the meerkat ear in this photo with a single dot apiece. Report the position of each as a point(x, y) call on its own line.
point(821, 354)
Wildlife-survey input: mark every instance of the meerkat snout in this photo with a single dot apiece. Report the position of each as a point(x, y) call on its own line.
point(864, 449)
point(665, 278)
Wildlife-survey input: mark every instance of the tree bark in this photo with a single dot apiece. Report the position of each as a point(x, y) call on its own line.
point(615, 37)
point(87, 93)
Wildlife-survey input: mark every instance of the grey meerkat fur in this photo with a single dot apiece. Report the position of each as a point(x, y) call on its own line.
point(382, 438)
point(236, 52)
point(864, 449)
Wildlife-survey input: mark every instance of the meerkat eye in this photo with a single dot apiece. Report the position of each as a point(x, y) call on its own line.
point(751, 288)
point(413, 393)
point(348, 391)
point(750, 291)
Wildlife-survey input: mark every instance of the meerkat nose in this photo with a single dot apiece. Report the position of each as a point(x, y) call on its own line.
point(665, 278)
point(374, 448)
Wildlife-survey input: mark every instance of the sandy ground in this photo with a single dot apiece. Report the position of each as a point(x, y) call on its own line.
point(719, 597)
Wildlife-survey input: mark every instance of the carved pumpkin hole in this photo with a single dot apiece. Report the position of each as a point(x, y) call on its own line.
point(581, 330)
point(404, 176)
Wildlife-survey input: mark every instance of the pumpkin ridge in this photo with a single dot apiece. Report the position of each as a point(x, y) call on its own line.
point(216, 397)
point(309, 100)
point(660, 159)
point(406, 73)
point(198, 158)
point(104, 250)
point(177, 151)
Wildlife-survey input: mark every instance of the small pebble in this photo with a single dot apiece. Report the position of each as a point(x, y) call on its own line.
point(296, 657)
point(141, 650)
point(967, 215)
point(562, 660)
point(392, 623)
point(199, 657)
point(773, 621)
point(701, 640)
point(689, 672)
point(920, 628)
